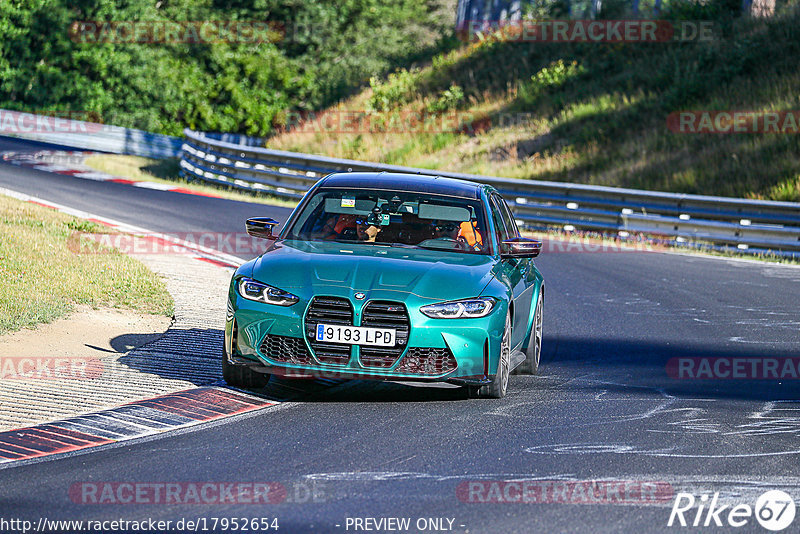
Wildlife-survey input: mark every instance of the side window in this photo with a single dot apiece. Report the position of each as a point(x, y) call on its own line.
point(497, 219)
point(508, 218)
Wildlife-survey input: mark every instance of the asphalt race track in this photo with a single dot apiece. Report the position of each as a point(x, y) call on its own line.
point(160, 211)
point(605, 406)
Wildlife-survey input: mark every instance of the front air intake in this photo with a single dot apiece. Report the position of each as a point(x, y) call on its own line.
point(329, 310)
point(385, 314)
point(427, 361)
point(286, 349)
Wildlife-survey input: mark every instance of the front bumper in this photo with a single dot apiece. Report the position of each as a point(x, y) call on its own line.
point(273, 338)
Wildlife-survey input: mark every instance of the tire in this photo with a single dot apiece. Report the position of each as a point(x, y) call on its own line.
point(241, 376)
point(498, 387)
point(534, 351)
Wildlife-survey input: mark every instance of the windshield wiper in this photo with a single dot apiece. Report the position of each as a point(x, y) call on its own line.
point(447, 249)
point(356, 242)
point(348, 241)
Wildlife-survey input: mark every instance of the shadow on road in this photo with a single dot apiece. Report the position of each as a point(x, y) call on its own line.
point(191, 355)
point(719, 371)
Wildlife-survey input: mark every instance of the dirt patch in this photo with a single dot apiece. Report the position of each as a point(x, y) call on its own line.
point(86, 333)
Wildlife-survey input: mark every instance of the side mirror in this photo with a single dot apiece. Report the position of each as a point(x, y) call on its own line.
point(520, 247)
point(261, 227)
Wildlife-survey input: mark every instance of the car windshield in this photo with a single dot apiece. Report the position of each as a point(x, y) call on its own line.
point(393, 218)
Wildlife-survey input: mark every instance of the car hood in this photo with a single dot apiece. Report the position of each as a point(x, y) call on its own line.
point(309, 268)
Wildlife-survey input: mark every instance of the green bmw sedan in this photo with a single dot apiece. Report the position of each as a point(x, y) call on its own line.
point(385, 276)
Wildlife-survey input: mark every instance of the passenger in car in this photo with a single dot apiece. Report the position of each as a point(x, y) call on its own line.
point(469, 231)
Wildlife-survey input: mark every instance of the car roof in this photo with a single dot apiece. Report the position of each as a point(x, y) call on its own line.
point(395, 181)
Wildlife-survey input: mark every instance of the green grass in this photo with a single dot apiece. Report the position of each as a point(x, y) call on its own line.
point(166, 172)
point(41, 279)
point(597, 113)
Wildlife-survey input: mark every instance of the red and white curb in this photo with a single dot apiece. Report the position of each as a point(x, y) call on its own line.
point(129, 421)
point(199, 252)
point(71, 164)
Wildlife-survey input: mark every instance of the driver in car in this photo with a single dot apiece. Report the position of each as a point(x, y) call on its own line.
point(450, 231)
point(446, 230)
point(366, 232)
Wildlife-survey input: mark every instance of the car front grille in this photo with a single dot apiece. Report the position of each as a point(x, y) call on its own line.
point(427, 361)
point(286, 349)
point(385, 314)
point(329, 310)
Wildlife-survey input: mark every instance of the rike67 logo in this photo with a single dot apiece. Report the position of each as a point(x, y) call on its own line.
point(774, 510)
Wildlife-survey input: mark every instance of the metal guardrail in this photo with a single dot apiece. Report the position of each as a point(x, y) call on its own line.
point(238, 161)
point(751, 225)
point(88, 135)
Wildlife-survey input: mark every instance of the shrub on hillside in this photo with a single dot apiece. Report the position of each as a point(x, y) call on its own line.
point(451, 98)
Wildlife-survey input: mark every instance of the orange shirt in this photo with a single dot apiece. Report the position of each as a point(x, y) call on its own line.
point(470, 233)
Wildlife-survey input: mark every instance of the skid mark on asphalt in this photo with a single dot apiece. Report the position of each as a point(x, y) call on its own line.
point(774, 418)
point(134, 420)
point(638, 410)
point(609, 392)
point(695, 424)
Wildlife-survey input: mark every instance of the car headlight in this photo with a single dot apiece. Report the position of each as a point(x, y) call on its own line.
point(252, 290)
point(460, 309)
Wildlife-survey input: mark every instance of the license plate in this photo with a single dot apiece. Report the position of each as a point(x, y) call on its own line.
point(356, 335)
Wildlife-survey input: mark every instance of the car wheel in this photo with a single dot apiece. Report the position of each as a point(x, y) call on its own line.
point(533, 353)
point(498, 387)
point(241, 376)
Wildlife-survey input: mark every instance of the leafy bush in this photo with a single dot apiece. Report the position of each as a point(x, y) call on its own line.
point(397, 90)
point(548, 79)
point(451, 98)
